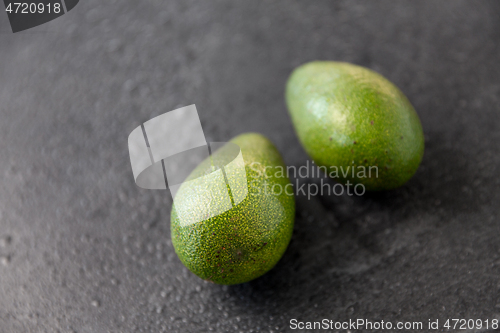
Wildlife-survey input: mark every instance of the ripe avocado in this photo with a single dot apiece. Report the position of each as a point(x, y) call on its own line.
point(247, 240)
point(349, 118)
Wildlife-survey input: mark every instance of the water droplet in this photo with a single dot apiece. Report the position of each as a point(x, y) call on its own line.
point(5, 260)
point(129, 85)
point(5, 241)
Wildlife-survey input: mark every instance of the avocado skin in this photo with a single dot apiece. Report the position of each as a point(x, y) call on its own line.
point(248, 240)
point(349, 116)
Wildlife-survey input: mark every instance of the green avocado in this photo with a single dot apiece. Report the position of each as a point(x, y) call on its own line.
point(234, 242)
point(355, 124)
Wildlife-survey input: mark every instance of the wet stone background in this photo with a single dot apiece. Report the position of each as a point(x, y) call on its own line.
point(82, 249)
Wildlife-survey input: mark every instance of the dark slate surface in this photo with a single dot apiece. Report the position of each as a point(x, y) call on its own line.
point(84, 250)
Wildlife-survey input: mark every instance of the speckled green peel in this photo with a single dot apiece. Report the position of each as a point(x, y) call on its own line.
point(248, 240)
point(349, 116)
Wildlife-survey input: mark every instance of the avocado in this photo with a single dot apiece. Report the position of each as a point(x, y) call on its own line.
point(240, 241)
point(355, 124)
